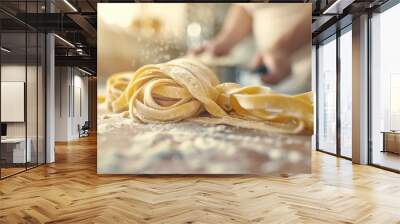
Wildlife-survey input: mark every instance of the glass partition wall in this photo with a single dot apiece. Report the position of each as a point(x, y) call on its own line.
point(22, 98)
point(334, 94)
point(13, 90)
point(385, 89)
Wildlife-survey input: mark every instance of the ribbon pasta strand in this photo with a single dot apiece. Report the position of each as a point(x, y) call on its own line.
point(182, 89)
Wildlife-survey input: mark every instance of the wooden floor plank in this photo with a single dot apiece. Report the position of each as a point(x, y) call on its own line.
point(70, 191)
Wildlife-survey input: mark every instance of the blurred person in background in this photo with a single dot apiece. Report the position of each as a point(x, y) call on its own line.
point(282, 33)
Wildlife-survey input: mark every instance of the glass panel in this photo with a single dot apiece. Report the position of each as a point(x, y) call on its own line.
point(32, 88)
point(327, 97)
point(385, 86)
point(31, 99)
point(23, 91)
point(13, 86)
point(346, 94)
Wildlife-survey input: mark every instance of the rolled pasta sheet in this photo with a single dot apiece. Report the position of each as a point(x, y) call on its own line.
point(184, 88)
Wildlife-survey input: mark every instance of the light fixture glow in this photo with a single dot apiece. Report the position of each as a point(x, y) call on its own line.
point(65, 41)
point(84, 71)
point(330, 8)
point(121, 14)
point(70, 5)
point(337, 7)
point(5, 50)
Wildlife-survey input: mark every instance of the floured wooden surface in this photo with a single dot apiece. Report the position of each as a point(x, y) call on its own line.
point(129, 147)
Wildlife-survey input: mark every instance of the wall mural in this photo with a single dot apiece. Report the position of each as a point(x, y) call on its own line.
point(204, 88)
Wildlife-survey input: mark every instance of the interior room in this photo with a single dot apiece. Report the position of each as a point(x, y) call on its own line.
point(23, 100)
point(55, 72)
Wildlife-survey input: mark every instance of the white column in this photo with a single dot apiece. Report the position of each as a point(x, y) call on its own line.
point(50, 98)
point(360, 90)
point(63, 101)
point(314, 90)
point(50, 92)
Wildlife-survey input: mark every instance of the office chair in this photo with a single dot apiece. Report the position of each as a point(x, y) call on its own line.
point(84, 130)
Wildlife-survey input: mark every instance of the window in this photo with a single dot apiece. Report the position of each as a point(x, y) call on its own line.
point(327, 96)
point(346, 93)
point(385, 89)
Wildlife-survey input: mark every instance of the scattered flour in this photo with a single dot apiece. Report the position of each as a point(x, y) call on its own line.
point(186, 147)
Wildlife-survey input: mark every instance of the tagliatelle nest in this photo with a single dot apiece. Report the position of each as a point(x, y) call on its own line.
point(185, 89)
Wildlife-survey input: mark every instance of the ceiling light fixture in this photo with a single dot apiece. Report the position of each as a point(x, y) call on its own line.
point(79, 51)
point(64, 40)
point(337, 7)
point(84, 71)
point(70, 5)
point(5, 50)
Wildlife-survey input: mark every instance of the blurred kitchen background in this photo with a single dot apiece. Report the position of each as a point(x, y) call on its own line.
point(132, 35)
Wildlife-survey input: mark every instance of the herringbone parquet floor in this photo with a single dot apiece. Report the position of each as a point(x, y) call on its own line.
point(70, 191)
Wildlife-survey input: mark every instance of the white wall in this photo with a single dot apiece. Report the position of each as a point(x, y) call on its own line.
point(71, 94)
point(33, 127)
point(80, 105)
point(10, 73)
point(13, 73)
point(62, 81)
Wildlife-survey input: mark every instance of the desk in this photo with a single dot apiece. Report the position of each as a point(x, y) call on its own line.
point(391, 141)
point(13, 150)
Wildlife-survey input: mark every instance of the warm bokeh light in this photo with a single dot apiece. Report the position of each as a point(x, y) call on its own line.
point(194, 29)
point(119, 14)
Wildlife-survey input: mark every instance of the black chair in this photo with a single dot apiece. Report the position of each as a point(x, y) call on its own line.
point(84, 130)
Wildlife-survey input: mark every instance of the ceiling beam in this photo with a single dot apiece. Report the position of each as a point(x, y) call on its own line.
point(337, 7)
point(49, 22)
point(77, 61)
point(84, 24)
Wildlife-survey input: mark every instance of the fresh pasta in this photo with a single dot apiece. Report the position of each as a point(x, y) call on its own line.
point(185, 89)
point(116, 85)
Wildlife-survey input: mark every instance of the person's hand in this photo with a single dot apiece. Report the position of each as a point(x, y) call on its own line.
point(277, 63)
point(214, 47)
